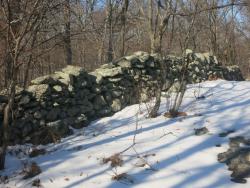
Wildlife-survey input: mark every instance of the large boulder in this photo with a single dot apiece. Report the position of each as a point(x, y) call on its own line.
point(99, 102)
point(106, 72)
point(40, 91)
point(48, 79)
point(73, 70)
point(232, 73)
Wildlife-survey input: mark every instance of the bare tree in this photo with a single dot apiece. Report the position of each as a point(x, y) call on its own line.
point(67, 32)
point(21, 20)
point(110, 29)
point(123, 25)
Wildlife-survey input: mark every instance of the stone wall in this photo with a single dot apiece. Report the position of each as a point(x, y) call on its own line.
point(71, 98)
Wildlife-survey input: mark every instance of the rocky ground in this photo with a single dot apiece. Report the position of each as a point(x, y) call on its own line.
point(237, 157)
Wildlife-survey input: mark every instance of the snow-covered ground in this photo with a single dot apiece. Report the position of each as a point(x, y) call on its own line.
point(176, 158)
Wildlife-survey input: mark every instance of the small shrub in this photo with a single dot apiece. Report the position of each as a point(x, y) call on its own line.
point(32, 171)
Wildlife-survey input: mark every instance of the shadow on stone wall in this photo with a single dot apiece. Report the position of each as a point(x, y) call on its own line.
point(72, 98)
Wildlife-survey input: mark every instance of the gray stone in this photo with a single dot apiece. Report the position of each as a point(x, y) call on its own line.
point(59, 127)
point(150, 64)
point(247, 157)
point(48, 79)
point(196, 69)
point(39, 90)
point(115, 80)
point(110, 85)
point(201, 131)
point(123, 100)
point(124, 63)
point(116, 93)
point(96, 89)
point(131, 57)
point(116, 105)
point(73, 111)
point(104, 111)
point(27, 129)
point(81, 84)
point(108, 96)
point(109, 72)
point(64, 78)
point(57, 88)
point(38, 115)
point(107, 66)
point(63, 115)
point(55, 104)
point(97, 77)
point(80, 122)
point(42, 122)
point(237, 158)
point(73, 70)
point(140, 55)
point(226, 133)
point(139, 65)
point(53, 114)
point(70, 88)
point(143, 56)
point(24, 100)
point(99, 102)
point(87, 107)
point(83, 94)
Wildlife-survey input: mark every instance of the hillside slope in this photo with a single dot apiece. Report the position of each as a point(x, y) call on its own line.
point(167, 153)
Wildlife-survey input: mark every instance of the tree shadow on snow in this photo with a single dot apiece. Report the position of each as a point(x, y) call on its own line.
point(217, 107)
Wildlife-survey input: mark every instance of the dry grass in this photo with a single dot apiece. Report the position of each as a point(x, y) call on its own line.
point(4, 179)
point(32, 171)
point(213, 77)
point(123, 177)
point(115, 160)
point(37, 183)
point(175, 114)
point(36, 152)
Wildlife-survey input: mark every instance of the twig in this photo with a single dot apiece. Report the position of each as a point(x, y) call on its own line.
point(165, 134)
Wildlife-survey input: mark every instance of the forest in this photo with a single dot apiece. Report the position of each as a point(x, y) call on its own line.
point(49, 35)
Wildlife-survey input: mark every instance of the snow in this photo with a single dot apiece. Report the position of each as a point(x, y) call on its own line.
point(176, 157)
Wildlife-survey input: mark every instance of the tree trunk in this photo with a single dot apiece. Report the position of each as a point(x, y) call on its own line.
point(5, 136)
point(155, 44)
point(6, 121)
point(7, 70)
point(123, 29)
point(161, 82)
point(178, 98)
point(183, 84)
point(27, 70)
point(154, 112)
point(110, 28)
point(67, 33)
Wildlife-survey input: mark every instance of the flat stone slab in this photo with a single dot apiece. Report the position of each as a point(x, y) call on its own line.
point(201, 131)
point(237, 157)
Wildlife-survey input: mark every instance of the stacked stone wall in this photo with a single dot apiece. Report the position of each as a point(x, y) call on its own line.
point(54, 104)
